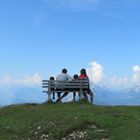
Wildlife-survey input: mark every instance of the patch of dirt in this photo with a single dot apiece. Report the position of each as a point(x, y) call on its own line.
point(84, 133)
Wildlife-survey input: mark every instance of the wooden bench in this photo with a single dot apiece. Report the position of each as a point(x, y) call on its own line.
point(50, 86)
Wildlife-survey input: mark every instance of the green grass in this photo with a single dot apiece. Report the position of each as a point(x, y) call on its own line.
point(69, 121)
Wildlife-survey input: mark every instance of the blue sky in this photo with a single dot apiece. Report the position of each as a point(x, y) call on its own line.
point(43, 36)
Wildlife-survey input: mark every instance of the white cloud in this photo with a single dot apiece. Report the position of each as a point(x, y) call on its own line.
point(125, 82)
point(6, 80)
point(97, 75)
point(74, 4)
point(31, 79)
point(34, 79)
point(96, 72)
point(136, 74)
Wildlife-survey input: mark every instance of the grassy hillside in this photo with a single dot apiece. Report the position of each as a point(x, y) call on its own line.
point(68, 122)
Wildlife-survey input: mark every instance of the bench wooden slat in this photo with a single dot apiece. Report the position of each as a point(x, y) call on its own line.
point(61, 87)
point(65, 90)
point(68, 90)
point(68, 84)
point(73, 81)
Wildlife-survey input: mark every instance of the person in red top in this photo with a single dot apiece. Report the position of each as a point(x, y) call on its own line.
point(83, 75)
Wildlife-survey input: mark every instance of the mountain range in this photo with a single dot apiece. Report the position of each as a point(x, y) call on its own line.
point(102, 95)
point(105, 96)
point(21, 95)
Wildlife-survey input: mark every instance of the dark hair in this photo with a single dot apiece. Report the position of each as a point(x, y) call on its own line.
point(64, 71)
point(75, 76)
point(83, 72)
point(52, 78)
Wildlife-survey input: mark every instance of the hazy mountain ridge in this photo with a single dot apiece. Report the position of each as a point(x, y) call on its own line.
point(129, 96)
point(19, 95)
point(102, 95)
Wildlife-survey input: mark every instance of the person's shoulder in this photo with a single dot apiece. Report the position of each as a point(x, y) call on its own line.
point(69, 75)
point(59, 75)
point(84, 77)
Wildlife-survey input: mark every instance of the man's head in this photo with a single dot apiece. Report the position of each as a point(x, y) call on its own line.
point(64, 71)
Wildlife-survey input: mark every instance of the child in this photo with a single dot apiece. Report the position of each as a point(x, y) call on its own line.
point(52, 78)
point(75, 77)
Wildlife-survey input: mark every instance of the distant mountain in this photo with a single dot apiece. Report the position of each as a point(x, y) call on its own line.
point(102, 95)
point(20, 95)
point(135, 89)
point(133, 94)
point(105, 96)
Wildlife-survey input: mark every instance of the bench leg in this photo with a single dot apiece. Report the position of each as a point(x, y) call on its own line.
point(49, 97)
point(74, 94)
point(80, 98)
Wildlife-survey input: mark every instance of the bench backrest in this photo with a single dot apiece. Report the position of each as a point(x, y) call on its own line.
point(61, 86)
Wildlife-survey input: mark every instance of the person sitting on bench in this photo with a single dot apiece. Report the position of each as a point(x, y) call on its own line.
point(75, 77)
point(62, 77)
point(83, 75)
point(52, 79)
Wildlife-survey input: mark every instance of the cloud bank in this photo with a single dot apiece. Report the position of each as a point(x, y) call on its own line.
point(136, 74)
point(96, 72)
point(98, 76)
point(24, 90)
point(30, 80)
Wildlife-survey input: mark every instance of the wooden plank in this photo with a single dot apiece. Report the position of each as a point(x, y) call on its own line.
point(65, 91)
point(74, 81)
point(68, 83)
point(65, 83)
point(78, 85)
point(60, 87)
point(69, 90)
